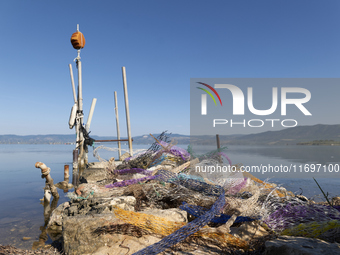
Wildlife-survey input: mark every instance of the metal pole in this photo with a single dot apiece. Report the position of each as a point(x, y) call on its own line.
point(117, 122)
point(115, 140)
point(80, 112)
point(72, 82)
point(127, 110)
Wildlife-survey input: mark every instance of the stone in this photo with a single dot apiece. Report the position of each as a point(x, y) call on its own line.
point(126, 245)
point(56, 218)
point(124, 202)
point(291, 245)
point(96, 165)
point(72, 210)
point(249, 230)
point(80, 236)
point(331, 235)
point(336, 201)
point(94, 175)
point(172, 214)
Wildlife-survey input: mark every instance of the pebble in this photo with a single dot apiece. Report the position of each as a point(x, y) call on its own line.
point(25, 238)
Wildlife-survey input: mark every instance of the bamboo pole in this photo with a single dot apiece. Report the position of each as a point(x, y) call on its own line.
point(127, 109)
point(117, 122)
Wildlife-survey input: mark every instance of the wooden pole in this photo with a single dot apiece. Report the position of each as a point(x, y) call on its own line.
point(218, 142)
point(218, 146)
point(117, 122)
point(127, 109)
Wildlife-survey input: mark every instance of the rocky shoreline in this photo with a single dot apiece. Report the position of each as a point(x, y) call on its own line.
point(157, 204)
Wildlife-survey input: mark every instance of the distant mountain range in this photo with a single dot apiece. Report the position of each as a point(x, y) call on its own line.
point(67, 139)
point(288, 136)
point(295, 135)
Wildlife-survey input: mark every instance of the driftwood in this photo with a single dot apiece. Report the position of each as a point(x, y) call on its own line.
point(185, 165)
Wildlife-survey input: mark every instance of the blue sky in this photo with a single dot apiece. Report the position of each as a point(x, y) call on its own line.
point(162, 44)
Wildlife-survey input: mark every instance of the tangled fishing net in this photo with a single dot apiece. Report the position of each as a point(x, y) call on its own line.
point(166, 176)
point(290, 216)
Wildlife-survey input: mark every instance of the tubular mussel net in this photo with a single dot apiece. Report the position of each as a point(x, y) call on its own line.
point(164, 177)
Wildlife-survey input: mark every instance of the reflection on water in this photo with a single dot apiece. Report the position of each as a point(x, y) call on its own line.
point(43, 237)
point(22, 217)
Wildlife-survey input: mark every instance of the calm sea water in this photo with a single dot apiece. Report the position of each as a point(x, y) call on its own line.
point(21, 185)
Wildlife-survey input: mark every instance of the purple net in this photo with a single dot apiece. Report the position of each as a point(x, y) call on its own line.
point(235, 189)
point(290, 216)
point(176, 151)
point(225, 155)
point(130, 182)
point(133, 171)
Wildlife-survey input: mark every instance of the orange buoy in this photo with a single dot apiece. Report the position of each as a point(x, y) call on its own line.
point(78, 40)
